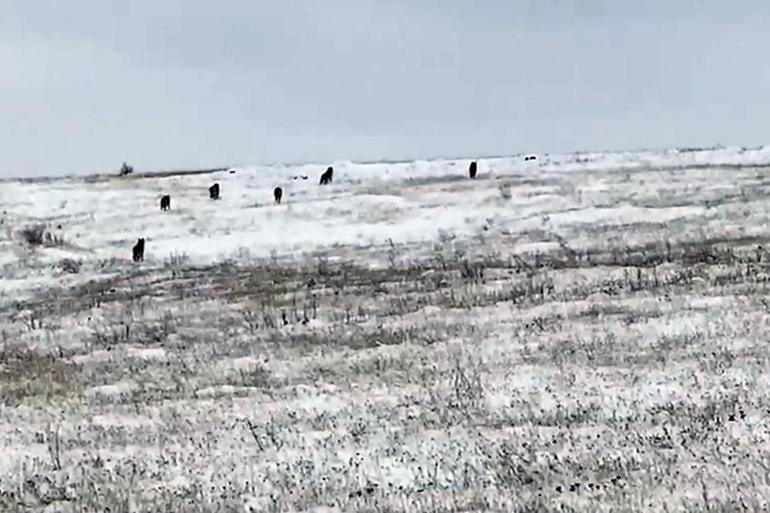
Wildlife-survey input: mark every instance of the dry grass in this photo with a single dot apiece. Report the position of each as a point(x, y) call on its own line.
point(615, 367)
point(452, 384)
point(39, 235)
point(26, 373)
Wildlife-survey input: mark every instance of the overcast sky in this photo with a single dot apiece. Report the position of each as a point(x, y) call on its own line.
point(85, 85)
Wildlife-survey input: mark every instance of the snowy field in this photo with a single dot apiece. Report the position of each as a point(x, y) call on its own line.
point(582, 332)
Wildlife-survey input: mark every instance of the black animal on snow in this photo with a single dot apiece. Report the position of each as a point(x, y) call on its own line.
point(138, 250)
point(530, 157)
point(326, 177)
point(472, 170)
point(214, 191)
point(125, 169)
point(165, 202)
point(277, 194)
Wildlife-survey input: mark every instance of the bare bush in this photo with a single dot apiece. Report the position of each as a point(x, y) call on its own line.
point(34, 234)
point(54, 447)
point(175, 261)
point(466, 385)
point(38, 235)
point(69, 265)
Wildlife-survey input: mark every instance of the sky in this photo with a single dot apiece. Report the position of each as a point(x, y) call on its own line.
point(177, 84)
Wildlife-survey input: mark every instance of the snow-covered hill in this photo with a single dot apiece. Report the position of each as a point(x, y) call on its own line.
point(574, 333)
point(96, 221)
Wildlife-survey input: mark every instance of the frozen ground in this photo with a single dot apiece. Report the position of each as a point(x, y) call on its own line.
point(578, 333)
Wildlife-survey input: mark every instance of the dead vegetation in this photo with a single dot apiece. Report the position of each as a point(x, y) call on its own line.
point(290, 294)
point(521, 382)
point(26, 374)
point(40, 235)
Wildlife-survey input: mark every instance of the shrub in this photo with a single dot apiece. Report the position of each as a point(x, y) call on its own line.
point(38, 235)
point(34, 234)
point(69, 265)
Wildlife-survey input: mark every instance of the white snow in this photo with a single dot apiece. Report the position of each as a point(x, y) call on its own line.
point(114, 389)
point(368, 205)
point(447, 395)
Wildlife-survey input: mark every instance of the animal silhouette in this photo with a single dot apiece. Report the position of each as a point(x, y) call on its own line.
point(138, 250)
point(472, 170)
point(278, 194)
point(326, 177)
point(214, 191)
point(125, 169)
point(165, 202)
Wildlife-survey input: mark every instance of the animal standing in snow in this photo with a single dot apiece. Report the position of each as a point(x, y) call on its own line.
point(125, 169)
point(138, 250)
point(165, 202)
point(277, 194)
point(472, 170)
point(326, 177)
point(214, 191)
point(529, 157)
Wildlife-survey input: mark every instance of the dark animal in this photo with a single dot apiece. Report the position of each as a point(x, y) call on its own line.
point(165, 202)
point(138, 250)
point(214, 191)
point(326, 177)
point(472, 170)
point(530, 157)
point(125, 169)
point(277, 194)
